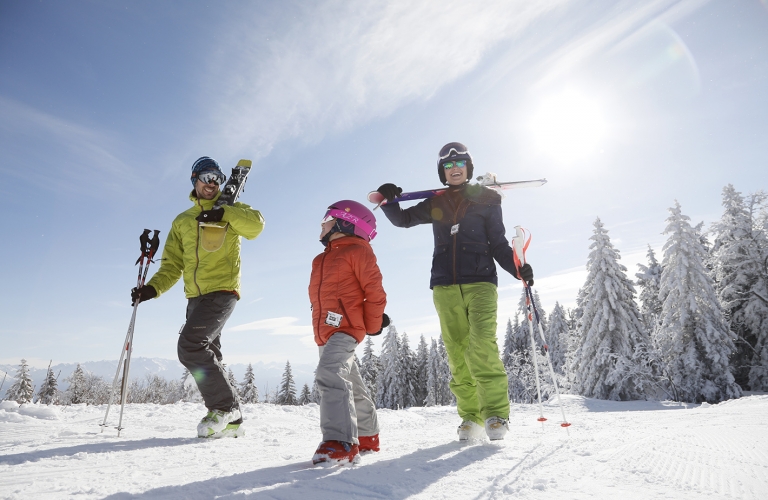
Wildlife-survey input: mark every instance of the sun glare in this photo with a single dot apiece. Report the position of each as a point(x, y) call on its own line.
point(568, 126)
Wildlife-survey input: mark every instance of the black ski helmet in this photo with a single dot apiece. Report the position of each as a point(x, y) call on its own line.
point(450, 152)
point(205, 164)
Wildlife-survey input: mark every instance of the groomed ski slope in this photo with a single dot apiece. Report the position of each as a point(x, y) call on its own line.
point(631, 450)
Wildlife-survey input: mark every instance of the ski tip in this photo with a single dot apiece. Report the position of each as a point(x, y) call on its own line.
point(244, 163)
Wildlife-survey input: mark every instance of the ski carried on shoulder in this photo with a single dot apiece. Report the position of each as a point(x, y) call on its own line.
point(212, 234)
point(488, 180)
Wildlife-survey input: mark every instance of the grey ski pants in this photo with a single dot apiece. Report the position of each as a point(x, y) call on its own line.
point(200, 348)
point(346, 409)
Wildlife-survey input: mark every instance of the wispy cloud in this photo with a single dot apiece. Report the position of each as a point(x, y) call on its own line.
point(75, 154)
point(335, 65)
point(285, 325)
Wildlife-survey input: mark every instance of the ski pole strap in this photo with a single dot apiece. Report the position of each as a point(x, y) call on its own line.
point(520, 245)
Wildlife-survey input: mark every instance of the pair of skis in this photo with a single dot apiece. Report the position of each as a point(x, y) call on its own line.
point(149, 248)
point(487, 180)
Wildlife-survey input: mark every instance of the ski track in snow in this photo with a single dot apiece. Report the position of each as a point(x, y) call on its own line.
point(628, 450)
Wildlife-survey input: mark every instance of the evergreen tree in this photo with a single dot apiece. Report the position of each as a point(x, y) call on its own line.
point(391, 377)
point(369, 369)
point(518, 360)
point(76, 393)
point(421, 375)
point(286, 395)
point(22, 391)
point(305, 397)
point(188, 390)
point(249, 393)
point(557, 336)
point(738, 261)
point(49, 391)
point(648, 280)
point(612, 359)
point(315, 394)
point(443, 370)
point(694, 340)
point(407, 362)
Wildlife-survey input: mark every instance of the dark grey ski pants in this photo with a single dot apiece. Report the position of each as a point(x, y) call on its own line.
point(200, 347)
point(346, 409)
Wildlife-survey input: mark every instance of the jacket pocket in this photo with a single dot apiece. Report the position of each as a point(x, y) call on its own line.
point(475, 260)
point(441, 264)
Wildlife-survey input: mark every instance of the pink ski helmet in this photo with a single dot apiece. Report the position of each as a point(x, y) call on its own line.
point(352, 218)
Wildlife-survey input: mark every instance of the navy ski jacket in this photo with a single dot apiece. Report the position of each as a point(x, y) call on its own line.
point(469, 234)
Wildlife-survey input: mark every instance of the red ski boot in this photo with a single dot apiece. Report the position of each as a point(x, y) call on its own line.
point(369, 443)
point(336, 452)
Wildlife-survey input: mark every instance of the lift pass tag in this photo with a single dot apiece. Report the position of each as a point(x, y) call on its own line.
point(454, 229)
point(333, 319)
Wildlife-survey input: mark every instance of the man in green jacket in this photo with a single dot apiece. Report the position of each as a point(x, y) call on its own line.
point(212, 287)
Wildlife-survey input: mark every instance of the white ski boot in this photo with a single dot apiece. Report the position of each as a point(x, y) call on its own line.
point(218, 423)
point(496, 427)
point(469, 430)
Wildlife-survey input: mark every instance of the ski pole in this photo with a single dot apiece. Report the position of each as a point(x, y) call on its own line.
point(520, 245)
point(148, 249)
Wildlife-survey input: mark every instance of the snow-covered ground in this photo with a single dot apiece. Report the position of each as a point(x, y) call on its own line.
point(631, 450)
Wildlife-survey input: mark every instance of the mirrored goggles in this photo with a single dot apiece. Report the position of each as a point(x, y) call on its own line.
point(212, 176)
point(327, 218)
point(450, 164)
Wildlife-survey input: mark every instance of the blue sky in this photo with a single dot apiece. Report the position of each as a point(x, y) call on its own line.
point(623, 106)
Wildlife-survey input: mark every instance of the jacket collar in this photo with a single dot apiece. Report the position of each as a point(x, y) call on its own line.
point(204, 204)
point(345, 242)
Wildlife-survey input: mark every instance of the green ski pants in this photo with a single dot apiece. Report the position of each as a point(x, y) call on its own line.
point(468, 324)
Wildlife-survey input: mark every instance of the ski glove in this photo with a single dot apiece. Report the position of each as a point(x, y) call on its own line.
point(210, 215)
point(526, 274)
point(384, 324)
point(390, 191)
point(146, 292)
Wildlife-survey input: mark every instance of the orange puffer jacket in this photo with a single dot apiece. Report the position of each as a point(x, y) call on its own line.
point(346, 280)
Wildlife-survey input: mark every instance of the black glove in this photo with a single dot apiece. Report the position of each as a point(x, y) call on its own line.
point(144, 293)
point(384, 324)
point(526, 274)
point(390, 191)
point(210, 215)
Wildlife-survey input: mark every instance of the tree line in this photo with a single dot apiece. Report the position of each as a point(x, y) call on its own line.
point(696, 331)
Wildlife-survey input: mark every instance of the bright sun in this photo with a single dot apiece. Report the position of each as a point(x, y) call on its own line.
point(568, 126)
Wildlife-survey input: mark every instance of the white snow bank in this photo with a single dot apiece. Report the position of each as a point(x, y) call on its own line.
point(11, 411)
point(630, 450)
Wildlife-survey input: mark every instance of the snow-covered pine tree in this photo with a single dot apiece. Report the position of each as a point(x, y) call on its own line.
point(738, 261)
point(510, 337)
point(421, 375)
point(188, 390)
point(431, 399)
point(306, 396)
point(694, 341)
point(76, 393)
point(648, 280)
point(407, 388)
point(315, 394)
point(369, 369)
point(443, 386)
point(558, 338)
point(22, 391)
point(49, 390)
point(388, 392)
point(612, 359)
point(249, 393)
point(286, 394)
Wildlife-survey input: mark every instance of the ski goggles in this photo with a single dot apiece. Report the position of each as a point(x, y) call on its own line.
point(209, 176)
point(450, 164)
point(454, 149)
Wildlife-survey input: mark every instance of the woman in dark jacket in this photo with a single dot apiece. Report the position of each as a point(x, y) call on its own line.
point(469, 236)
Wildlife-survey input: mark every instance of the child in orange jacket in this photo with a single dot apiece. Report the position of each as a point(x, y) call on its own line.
point(348, 302)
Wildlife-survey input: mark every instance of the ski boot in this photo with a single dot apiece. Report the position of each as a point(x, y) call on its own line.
point(469, 430)
point(218, 423)
point(336, 452)
point(496, 427)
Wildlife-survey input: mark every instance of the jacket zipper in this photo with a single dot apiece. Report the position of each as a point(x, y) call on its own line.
point(197, 254)
point(344, 311)
point(319, 286)
point(455, 235)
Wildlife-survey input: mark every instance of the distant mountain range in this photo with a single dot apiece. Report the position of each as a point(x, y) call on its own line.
point(268, 375)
